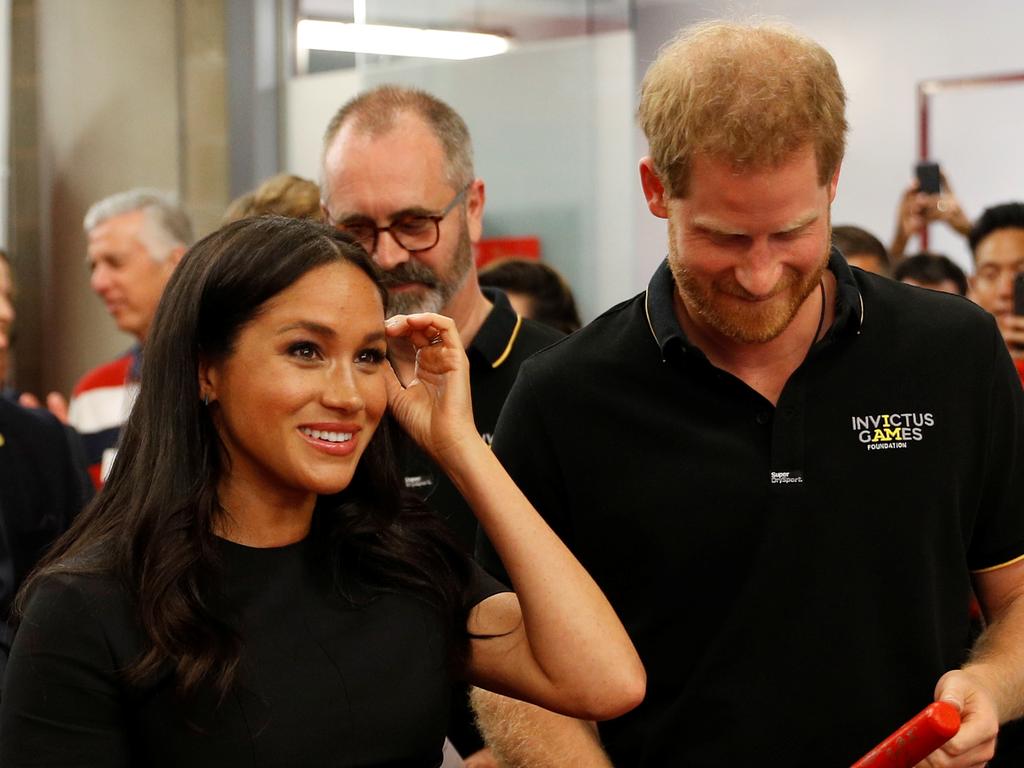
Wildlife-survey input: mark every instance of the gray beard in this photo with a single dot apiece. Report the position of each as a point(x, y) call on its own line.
point(439, 288)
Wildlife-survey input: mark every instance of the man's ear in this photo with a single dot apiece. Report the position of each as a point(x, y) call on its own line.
point(476, 196)
point(833, 185)
point(654, 190)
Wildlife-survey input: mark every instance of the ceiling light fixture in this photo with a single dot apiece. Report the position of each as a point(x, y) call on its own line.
point(398, 41)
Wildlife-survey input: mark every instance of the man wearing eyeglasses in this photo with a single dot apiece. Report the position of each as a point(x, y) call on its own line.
point(397, 175)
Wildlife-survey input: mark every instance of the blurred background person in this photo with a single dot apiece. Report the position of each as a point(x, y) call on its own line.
point(284, 195)
point(997, 243)
point(43, 485)
point(535, 290)
point(931, 270)
point(135, 240)
point(862, 249)
point(398, 177)
point(43, 479)
point(6, 318)
point(916, 209)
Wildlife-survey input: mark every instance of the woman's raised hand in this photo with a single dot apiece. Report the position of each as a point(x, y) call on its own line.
point(518, 644)
point(435, 407)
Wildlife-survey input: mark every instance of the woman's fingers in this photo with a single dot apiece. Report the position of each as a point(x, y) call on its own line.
point(435, 407)
point(436, 341)
point(424, 329)
point(392, 385)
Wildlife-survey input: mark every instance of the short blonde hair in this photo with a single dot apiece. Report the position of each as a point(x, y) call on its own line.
point(748, 94)
point(283, 195)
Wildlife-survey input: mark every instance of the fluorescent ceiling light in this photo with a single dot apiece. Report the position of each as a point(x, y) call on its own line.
point(397, 41)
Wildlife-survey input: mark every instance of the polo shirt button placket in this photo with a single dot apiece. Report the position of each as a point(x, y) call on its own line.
point(763, 417)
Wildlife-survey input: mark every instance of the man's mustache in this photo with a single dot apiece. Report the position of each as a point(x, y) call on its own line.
point(409, 273)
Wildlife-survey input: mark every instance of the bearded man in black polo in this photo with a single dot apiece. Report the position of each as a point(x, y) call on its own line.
point(786, 474)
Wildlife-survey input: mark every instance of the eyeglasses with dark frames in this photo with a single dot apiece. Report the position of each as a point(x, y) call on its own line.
point(413, 232)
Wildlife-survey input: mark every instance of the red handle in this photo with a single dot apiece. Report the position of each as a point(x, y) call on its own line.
point(915, 740)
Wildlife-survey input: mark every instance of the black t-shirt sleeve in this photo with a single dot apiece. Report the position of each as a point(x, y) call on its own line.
point(998, 536)
point(61, 703)
point(481, 586)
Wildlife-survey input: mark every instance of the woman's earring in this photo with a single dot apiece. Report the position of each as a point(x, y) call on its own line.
point(206, 399)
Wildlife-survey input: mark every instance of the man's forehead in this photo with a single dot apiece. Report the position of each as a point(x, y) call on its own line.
point(407, 134)
point(385, 174)
point(1004, 245)
point(118, 233)
point(122, 225)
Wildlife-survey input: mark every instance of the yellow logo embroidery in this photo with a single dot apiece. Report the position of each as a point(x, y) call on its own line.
point(885, 431)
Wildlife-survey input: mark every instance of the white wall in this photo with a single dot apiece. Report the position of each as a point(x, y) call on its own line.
point(883, 49)
point(552, 132)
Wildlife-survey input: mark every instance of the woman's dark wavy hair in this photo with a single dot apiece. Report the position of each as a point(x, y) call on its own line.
point(152, 525)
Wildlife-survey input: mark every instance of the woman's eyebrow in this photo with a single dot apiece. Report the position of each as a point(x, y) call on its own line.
point(325, 330)
point(308, 325)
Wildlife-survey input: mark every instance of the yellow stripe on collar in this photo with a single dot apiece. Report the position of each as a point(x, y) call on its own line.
point(511, 342)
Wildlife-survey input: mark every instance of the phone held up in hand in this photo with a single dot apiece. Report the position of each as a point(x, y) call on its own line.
point(928, 178)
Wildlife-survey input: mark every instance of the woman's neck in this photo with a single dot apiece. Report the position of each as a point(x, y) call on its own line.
point(262, 522)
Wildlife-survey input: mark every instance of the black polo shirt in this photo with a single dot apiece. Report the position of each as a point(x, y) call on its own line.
point(501, 345)
point(795, 578)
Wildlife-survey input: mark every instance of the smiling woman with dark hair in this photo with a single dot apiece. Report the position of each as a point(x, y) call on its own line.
point(253, 585)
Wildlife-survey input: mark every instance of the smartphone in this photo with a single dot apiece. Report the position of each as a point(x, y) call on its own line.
point(928, 180)
point(1018, 294)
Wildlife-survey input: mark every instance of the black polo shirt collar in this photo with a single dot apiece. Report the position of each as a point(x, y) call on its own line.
point(849, 301)
point(661, 315)
point(669, 335)
point(494, 341)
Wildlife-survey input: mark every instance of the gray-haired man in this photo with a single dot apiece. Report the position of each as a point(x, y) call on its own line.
point(135, 240)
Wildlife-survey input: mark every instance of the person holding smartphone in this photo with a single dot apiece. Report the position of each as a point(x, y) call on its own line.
point(997, 285)
point(929, 198)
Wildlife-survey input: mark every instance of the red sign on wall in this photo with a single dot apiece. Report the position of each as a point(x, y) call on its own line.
point(498, 248)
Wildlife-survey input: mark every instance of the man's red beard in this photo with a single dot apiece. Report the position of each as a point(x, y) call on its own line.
point(727, 308)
